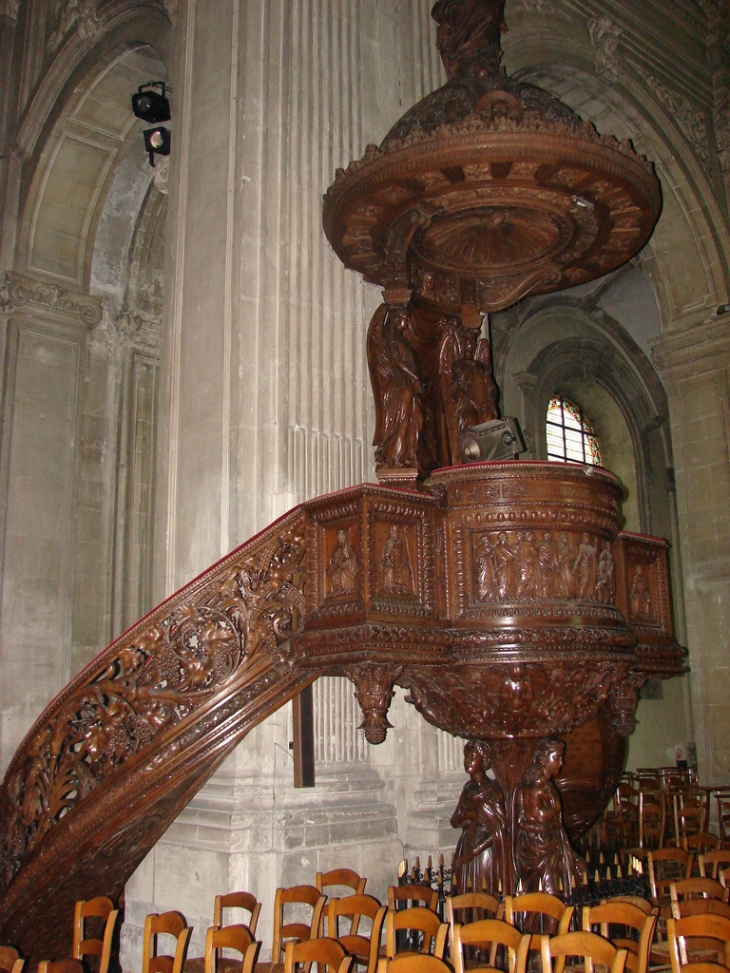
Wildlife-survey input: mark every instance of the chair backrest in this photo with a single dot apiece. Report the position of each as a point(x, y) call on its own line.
point(342, 877)
point(723, 814)
point(638, 900)
point(667, 865)
point(424, 923)
point(591, 947)
point(697, 844)
point(300, 896)
point(172, 924)
point(615, 921)
point(236, 937)
point(99, 912)
point(60, 966)
point(484, 934)
point(471, 907)
point(711, 862)
point(9, 956)
point(699, 887)
point(327, 953)
point(353, 907)
point(237, 900)
point(412, 963)
point(409, 895)
point(697, 907)
point(708, 932)
point(690, 812)
point(652, 818)
point(538, 913)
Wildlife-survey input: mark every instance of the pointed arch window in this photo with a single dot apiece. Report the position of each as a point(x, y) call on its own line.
point(570, 436)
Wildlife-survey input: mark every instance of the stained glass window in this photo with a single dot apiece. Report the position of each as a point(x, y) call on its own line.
point(570, 436)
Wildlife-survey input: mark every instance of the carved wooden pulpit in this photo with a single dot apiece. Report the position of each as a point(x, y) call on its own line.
point(501, 596)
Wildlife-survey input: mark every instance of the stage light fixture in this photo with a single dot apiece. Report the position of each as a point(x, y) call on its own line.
point(150, 105)
point(157, 142)
point(494, 440)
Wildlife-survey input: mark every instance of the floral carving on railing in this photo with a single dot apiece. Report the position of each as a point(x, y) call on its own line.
point(181, 657)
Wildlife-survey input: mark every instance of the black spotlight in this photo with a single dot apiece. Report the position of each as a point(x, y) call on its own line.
point(157, 142)
point(150, 105)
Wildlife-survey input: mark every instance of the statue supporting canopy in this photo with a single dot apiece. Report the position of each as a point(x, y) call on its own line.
point(480, 860)
point(543, 856)
point(397, 388)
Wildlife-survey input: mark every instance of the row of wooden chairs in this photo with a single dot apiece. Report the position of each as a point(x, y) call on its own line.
point(642, 817)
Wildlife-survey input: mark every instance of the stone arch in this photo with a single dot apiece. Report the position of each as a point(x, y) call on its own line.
point(563, 347)
point(688, 279)
point(74, 170)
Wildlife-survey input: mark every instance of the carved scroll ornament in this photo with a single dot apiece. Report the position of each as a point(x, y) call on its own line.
point(20, 291)
point(226, 632)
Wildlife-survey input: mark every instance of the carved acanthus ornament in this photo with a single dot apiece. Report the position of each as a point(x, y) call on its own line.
point(149, 684)
point(605, 36)
point(689, 117)
point(9, 8)
point(624, 699)
point(70, 14)
point(374, 692)
point(722, 136)
point(20, 291)
point(535, 6)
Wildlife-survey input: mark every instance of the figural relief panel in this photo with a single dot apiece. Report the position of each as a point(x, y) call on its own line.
point(538, 566)
point(402, 563)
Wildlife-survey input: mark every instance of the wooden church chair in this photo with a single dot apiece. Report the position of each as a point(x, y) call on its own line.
point(630, 928)
point(237, 900)
point(407, 896)
point(171, 924)
point(471, 907)
point(430, 932)
point(588, 948)
point(667, 865)
point(308, 896)
point(340, 877)
point(699, 887)
point(364, 949)
point(712, 862)
point(476, 944)
point(234, 937)
point(652, 818)
point(538, 913)
point(101, 914)
point(698, 939)
point(328, 954)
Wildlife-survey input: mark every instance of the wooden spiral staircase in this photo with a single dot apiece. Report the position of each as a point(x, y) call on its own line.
point(122, 749)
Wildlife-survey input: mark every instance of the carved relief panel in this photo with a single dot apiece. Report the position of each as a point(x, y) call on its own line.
point(643, 583)
point(373, 555)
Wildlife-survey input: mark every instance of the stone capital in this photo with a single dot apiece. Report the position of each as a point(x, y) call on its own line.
point(19, 291)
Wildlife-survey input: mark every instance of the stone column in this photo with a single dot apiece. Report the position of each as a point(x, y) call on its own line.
point(695, 364)
point(265, 396)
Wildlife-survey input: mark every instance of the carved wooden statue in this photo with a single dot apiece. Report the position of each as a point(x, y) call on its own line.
point(397, 389)
point(543, 856)
point(481, 858)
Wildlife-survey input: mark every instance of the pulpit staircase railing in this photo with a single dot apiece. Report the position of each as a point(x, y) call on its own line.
point(125, 746)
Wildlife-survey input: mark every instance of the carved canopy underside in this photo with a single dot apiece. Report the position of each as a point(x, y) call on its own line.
point(503, 601)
